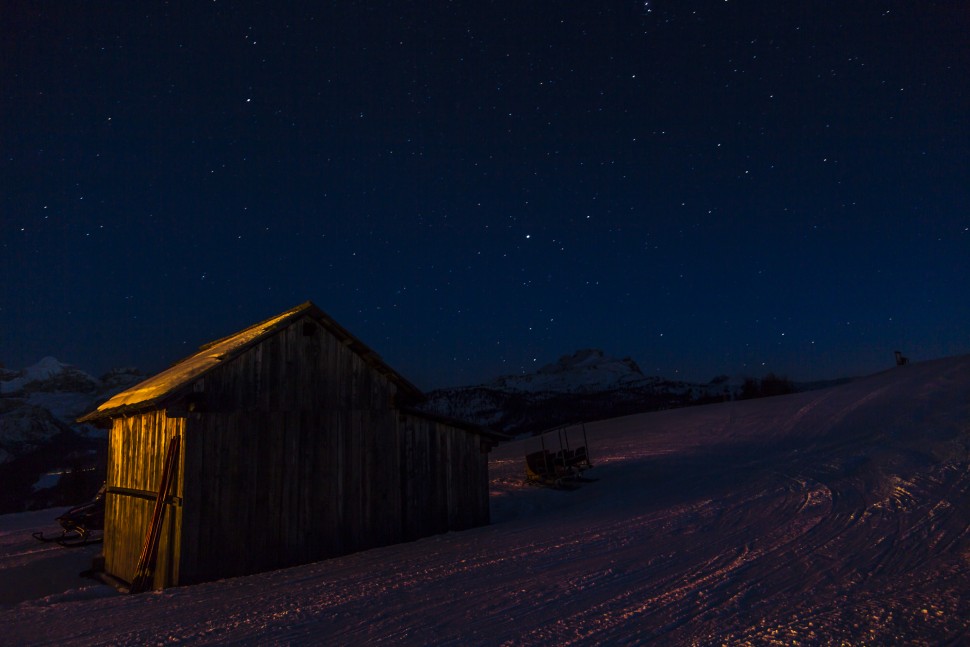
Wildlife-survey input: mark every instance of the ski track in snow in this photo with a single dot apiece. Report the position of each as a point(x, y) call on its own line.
point(840, 515)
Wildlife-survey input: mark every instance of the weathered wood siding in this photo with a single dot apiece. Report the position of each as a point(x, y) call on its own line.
point(266, 490)
point(444, 478)
point(294, 451)
point(272, 489)
point(299, 368)
point(136, 453)
point(292, 457)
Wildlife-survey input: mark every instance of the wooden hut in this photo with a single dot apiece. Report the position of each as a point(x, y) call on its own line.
point(293, 442)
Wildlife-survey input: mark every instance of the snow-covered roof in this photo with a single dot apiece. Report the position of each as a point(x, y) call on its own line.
point(177, 377)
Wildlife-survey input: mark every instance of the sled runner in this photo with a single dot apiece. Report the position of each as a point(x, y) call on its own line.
point(82, 525)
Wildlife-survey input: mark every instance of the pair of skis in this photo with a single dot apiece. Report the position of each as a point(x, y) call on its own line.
point(145, 570)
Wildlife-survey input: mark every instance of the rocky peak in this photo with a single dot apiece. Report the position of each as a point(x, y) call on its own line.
point(585, 370)
point(590, 359)
point(48, 375)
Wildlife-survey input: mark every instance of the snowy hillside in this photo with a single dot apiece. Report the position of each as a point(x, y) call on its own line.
point(829, 517)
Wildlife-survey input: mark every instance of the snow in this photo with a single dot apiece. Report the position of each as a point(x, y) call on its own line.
point(30, 570)
point(840, 515)
point(584, 371)
point(64, 405)
point(45, 369)
point(62, 389)
point(48, 480)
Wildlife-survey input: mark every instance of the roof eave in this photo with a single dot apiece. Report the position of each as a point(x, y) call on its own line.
point(471, 427)
point(98, 415)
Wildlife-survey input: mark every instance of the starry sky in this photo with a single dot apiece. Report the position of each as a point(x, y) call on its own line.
point(477, 188)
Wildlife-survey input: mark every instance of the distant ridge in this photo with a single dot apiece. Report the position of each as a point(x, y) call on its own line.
point(585, 385)
point(45, 457)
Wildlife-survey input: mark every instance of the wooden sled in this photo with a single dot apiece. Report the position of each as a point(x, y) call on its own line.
point(562, 469)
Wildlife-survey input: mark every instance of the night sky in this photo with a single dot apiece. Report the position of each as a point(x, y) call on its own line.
point(476, 188)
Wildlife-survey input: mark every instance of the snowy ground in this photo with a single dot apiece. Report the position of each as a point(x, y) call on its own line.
point(822, 517)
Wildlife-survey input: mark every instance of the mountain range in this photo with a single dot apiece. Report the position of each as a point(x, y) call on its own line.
point(586, 385)
point(46, 458)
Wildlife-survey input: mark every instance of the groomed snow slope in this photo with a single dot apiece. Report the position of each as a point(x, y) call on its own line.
point(822, 517)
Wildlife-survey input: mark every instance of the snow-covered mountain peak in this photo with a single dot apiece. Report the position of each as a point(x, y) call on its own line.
point(585, 385)
point(45, 368)
point(48, 374)
point(591, 359)
point(589, 369)
point(39, 438)
point(586, 356)
point(62, 389)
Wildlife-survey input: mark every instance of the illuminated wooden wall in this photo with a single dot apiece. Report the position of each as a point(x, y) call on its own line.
point(293, 451)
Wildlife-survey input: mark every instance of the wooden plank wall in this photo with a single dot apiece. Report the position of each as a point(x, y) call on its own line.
point(284, 488)
point(295, 454)
point(300, 368)
point(275, 489)
point(136, 453)
point(444, 478)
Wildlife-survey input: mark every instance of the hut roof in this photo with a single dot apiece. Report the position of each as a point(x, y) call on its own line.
point(178, 377)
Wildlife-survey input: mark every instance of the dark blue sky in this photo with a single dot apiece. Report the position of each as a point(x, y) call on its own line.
point(476, 188)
